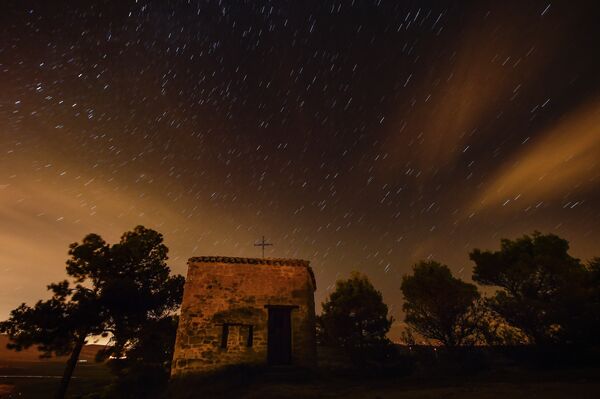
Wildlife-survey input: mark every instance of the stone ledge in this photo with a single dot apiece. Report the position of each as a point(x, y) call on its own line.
point(257, 261)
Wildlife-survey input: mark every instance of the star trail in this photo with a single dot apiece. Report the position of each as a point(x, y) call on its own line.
point(359, 135)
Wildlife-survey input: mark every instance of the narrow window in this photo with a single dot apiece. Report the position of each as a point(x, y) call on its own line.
point(225, 336)
point(250, 340)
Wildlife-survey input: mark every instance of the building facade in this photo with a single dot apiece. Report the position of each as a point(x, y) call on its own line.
point(245, 311)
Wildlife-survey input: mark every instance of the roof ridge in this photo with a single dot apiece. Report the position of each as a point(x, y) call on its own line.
point(260, 261)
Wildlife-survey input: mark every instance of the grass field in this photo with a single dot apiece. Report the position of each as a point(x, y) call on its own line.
point(43, 375)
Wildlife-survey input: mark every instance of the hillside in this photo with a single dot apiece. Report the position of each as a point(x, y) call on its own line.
point(33, 355)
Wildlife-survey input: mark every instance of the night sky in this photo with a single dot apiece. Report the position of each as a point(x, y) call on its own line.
point(360, 135)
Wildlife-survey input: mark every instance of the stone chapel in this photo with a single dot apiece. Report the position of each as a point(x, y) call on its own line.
point(245, 311)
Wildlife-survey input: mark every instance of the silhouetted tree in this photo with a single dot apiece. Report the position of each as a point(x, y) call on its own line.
point(592, 303)
point(144, 370)
point(439, 306)
point(543, 290)
point(113, 289)
point(355, 319)
point(58, 326)
point(594, 269)
point(492, 329)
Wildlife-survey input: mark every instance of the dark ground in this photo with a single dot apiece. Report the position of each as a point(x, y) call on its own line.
point(89, 377)
point(574, 384)
point(511, 383)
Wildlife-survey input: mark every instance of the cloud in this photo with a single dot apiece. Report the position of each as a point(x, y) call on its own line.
point(564, 160)
point(454, 100)
point(40, 217)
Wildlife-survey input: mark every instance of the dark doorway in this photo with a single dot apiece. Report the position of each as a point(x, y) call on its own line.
point(280, 336)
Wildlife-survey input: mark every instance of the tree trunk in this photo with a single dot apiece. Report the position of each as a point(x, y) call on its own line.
point(71, 363)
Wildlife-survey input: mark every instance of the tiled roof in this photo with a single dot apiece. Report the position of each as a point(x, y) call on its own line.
point(252, 261)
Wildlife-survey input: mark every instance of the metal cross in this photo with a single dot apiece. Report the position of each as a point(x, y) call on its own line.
point(263, 244)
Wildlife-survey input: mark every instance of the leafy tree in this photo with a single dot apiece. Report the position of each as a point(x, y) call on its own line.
point(113, 290)
point(541, 287)
point(440, 306)
point(355, 318)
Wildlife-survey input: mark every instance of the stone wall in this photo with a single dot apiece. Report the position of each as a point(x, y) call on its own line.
point(236, 291)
